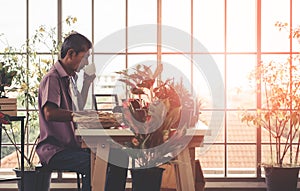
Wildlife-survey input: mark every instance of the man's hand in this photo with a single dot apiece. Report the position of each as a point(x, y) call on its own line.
point(90, 69)
point(88, 79)
point(89, 73)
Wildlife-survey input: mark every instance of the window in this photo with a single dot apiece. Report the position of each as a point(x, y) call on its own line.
point(234, 35)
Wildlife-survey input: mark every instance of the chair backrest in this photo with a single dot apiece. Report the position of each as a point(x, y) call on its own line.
point(105, 102)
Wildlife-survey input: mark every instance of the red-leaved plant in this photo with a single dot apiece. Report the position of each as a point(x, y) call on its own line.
point(155, 111)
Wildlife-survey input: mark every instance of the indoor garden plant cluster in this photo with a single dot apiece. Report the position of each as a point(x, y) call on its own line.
point(279, 115)
point(25, 82)
point(158, 113)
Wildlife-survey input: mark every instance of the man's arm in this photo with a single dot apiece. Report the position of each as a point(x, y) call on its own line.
point(53, 113)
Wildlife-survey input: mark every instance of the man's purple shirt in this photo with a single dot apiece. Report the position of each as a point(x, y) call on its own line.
point(55, 136)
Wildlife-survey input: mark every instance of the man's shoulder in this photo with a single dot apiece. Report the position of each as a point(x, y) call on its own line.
point(51, 78)
point(51, 74)
point(56, 71)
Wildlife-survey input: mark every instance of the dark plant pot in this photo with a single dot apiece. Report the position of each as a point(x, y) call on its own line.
point(148, 179)
point(34, 180)
point(281, 178)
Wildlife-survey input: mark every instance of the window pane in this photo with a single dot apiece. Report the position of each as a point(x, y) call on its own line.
point(177, 14)
point(242, 161)
point(212, 161)
point(109, 18)
point(142, 38)
point(106, 78)
point(7, 154)
point(238, 131)
point(47, 19)
point(239, 92)
point(241, 33)
point(296, 23)
point(272, 39)
point(208, 24)
point(13, 23)
point(82, 10)
point(215, 123)
point(274, 57)
point(178, 68)
point(209, 78)
point(142, 12)
point(201, 86)
point(144, 59)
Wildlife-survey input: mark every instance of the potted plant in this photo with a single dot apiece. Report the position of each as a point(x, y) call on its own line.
point(158, 112)
point(279, 115)
point(6, 76)
point(8, 72)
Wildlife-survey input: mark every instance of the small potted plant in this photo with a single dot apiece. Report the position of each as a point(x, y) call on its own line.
point(6, 77)
point(279, 115)
point(158, 112)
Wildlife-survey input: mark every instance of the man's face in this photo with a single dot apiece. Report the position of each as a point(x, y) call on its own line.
point(84, 60)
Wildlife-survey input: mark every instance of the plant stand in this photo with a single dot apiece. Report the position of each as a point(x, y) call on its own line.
point(34, 180)
point(148, 179)
point(281, 178)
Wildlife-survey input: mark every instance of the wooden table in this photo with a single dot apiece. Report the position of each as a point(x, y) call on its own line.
point(99, 141)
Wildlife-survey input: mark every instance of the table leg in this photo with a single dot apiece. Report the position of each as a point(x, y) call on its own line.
point(100, 166)
point(184, 172)
point(193, 156)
